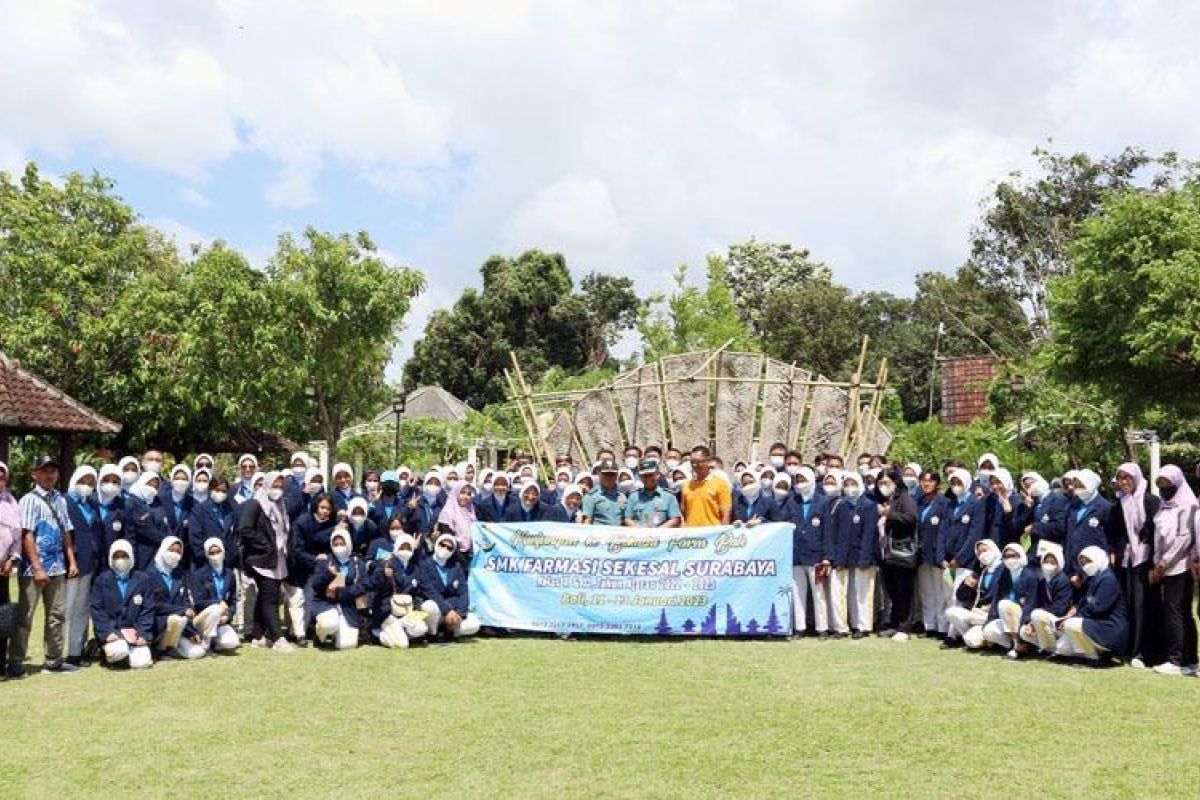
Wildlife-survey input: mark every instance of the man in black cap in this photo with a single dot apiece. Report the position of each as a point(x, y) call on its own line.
point(604, 505)
point(47, 543)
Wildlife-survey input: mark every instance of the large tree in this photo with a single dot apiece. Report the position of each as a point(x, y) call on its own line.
point(527, 305)
point(691, 318)
point(342, 308)
point(757, 271)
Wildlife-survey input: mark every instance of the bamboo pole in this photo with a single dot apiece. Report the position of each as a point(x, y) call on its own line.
point(855, 388)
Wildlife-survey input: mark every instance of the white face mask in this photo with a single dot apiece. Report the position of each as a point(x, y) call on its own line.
point(341, 552)
point(372, 485)
point(1083, 493)
point(152, 466)
point(626, 486)
point(179, 486)
point(314, 488)
point(122, 566)
point(357, 521)
point(128, 478)
point(217, 562)
point(147, 493)
point(274, 494)
point(750, 491)
point(1014, 565)
point(200, 488)
point(987, 557)
point(1049, 569)
point(958, 489)
point(793, 470)
point(672, 463)
point(1090, 568)
point(219, 497)
point(298, 472)
point(431, 493)
point(805, 489)
point(405, 556)
point(863, 469)
point(395, 533)
point(886, 489)
point(767, 482)
point(500, 492)
point(777, 462)
point(852, 491)
point(83, 491)
point(631, 462)
point(171, 559)
point(108, 491)
point(910, 481)
point(442, 554)
point(781, 495)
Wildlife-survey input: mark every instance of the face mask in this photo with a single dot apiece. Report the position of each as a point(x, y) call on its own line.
point(147, 493)
point(431, 493)
point(314, 488)
point(631, 462)
point(179, 486)
point(563, 484)
point(750, 491)
point(128, 478)
point(767, 482)
point(987, 557)
point(108, 491)
point(886, 490)
point(442, 554)
point(805, 489)
point(793, 470)
point(395, 533)
point(626, 486)
point(1013, 564)
point(217, 562)
point(1168, 492)
point(528, 506)
point(83, 491)
point(298, 472)
point(403, 483)
point(777, 462)
point(200, 488)
point(1090, 568)
point(357, 521)
point(781, 495)
point(405, 556)
point(122, 566)
point(910, 481)
point(372, 485)
point(218, 497)
point(1083, 493)
point(831, 488)
point(672, 463)
point(821, 471)
point(1037, 491)
point(863, 468)
point(274, 494)
point(852, 492)
point(341, 552)
point(1049, 569)
point(958, 490)
point(500, 492)
point(152, 466)
point(171, 559)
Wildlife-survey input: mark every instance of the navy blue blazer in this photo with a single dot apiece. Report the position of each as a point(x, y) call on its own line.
point(88, 536)
point(449, 591)
point(110, 612)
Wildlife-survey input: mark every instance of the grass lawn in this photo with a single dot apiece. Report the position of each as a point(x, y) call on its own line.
point(533, 717)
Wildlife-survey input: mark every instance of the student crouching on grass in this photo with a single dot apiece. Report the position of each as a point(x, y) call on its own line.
point(339, 592)
point(444, 581)
point(1097, 623)
point(175, 634)
point(397, 618)
point(122, 611)
point(213, 590)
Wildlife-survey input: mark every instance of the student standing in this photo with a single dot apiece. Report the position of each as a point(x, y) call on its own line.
point(10, 547)
point(263, 531)
point(1139, 509)
point(1173, 536)
point(88, 538)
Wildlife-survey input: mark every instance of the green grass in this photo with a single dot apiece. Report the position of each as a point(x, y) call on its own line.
point(535, 717)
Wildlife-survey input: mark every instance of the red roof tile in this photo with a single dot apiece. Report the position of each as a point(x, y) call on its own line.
point(29, 404)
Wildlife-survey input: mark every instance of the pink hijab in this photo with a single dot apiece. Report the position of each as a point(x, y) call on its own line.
point(458, 519)
point(1184, 496)
point(10, 514)
point(1133, 504)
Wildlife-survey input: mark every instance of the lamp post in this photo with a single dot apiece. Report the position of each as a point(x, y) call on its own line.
point(398, 401)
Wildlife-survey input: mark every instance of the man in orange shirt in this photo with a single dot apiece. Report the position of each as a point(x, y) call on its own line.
point(707, 498)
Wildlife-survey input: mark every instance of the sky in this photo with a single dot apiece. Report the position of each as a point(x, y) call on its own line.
point(630, 136)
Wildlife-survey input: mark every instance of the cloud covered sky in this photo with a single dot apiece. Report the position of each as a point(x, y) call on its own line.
point(632, 136)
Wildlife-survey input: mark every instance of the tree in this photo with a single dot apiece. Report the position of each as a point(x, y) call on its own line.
point(814, 324)
point(694, 319)
point(756, 271)
point(1126, 318)
point(528, 306)
point(1029, 221)
point(345, 307)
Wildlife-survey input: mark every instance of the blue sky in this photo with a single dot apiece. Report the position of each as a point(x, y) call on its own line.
point(631, 136)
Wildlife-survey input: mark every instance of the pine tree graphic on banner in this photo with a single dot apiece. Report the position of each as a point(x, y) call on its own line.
point(663, 628)
point(773, 626)
point(709, 626)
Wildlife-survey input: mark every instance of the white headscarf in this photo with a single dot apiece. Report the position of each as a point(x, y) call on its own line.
point(163, 548)
point(120, 546)
point(82, 472)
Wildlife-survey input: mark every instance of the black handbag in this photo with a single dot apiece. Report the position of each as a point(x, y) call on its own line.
point(901, 552)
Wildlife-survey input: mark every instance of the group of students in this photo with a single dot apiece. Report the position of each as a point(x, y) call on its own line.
point(180, 562)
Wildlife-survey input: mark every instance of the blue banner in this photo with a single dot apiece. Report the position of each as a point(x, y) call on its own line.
point(715, 581)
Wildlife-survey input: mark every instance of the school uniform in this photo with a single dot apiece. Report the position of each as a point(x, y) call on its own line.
point(934, 592)
point(1015, 601)
point(339, 619)
point(1002, 526)
point(116, 604)
point(112, 525)
point(88, 541)
point(518, 513)
point(1048, 521)
point(810, 520)
point(1055, 597)
point(177, 515)
point(964, 528)
point(558, 513)
point(342, 497)
point(489, 509)
point(146, 526)
point(1101, 623)
point(973, 604)
point(1087, 526)
point(852, 547)
point(763, 507)
point(295, 500)
point(209, 589)
point(386, 509)
point(445, 587)
point(171, 599)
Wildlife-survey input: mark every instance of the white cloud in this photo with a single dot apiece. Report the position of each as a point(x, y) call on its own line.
point(194, 197)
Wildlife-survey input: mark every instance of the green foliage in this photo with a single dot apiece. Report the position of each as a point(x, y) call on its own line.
point(527, 305)
point(757, 271)
point(930, 443)
point(1127, 317)
point(695, 319)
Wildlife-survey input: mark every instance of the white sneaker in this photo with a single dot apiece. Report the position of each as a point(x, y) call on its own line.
point(900, 636)
point(1012, 655)
point(1137, 663)
point(283, 646)
point(1167, 668)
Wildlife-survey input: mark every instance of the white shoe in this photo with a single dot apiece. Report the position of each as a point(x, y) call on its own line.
point(900, 636)
point(1012, 655)
point(259, 642)
point(283, 646)
point(1137, 663)
point(1167, 668)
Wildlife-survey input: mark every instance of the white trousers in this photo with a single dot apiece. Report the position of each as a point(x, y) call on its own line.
point(399, 631)
point(962, 621)
point(217, 636)
point(1043, 636)
point(1003, 630)
point(839, 587)
point(468, 627)
point(331, 626)
point(861, 598)
point(172, 639)
point(805, 585)
point(247, 592)
point(77, 613)
point(1072, 641)
point(935, 595)
point(297, 612)
point(117, 651)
